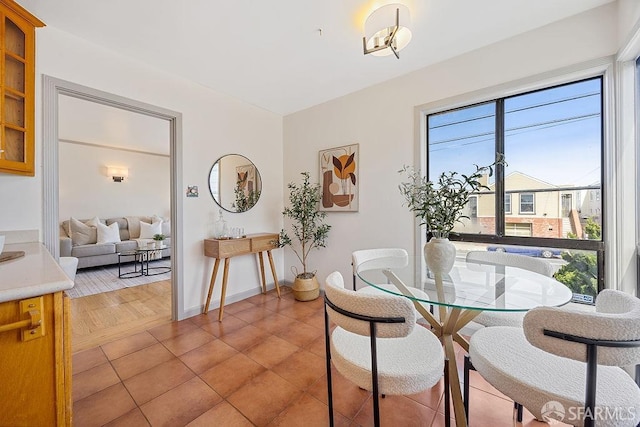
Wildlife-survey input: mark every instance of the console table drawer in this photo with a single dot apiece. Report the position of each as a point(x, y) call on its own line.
point(264, 242)
point(226, 248)
point(257, 243)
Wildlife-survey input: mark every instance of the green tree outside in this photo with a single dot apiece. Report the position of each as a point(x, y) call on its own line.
point(593, 229)
point(580, 273)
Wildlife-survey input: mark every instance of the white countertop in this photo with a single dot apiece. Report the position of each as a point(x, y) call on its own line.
point(34, 274)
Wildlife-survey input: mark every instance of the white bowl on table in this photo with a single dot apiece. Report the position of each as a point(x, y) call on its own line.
point(1, 243)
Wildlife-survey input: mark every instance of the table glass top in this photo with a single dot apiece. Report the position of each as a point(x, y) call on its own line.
point(469, 285)
point(152, 249)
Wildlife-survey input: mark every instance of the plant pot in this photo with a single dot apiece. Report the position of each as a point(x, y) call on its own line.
point(306, 289)
point(439, 254)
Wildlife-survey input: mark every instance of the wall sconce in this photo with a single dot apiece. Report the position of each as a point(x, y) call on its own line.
point(118, 174)
point(383, 33)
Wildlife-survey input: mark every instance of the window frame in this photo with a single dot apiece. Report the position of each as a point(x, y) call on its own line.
point(602, 68)
point(510, 197)
point(533, 204)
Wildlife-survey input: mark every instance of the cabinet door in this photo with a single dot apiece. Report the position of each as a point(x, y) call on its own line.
point(34, 385)
point(17, 94)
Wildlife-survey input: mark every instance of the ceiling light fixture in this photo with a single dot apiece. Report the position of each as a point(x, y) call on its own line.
point(383, 33)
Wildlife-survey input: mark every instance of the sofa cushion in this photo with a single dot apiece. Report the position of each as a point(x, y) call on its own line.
point(66, 224)
point(93, 250)
point(166, 224)
point(128, 245)
point(81, 233)
point(108, 233)
point(122, 225)
point(133, 223)
point(147, 231)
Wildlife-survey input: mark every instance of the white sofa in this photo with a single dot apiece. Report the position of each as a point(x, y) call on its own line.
point(81, 240)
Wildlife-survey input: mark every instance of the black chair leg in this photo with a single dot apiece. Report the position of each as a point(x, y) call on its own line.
point(518, 408)
point(328, 357)
point(467, 367)
point(447, 408)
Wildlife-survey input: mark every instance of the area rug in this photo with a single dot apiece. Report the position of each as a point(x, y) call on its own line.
point(96, 280)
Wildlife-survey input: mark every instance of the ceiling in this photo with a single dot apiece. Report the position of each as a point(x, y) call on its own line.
point(272, 54)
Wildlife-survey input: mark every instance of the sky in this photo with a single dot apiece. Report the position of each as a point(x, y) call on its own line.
point(553, 135)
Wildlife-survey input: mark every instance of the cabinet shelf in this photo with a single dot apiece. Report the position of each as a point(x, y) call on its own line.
point(17, 87)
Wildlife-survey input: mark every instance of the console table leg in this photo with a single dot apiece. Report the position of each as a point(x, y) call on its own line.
point(225, 275)
point(211, 283)
point(273, 272)
point(264, 279)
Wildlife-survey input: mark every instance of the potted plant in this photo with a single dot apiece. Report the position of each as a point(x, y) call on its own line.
point(159, 238)
point(245, 200)
point(308, 231)
point(440, 206)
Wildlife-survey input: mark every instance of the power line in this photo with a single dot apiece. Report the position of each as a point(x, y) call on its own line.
point(486, 116)
point(552, 123)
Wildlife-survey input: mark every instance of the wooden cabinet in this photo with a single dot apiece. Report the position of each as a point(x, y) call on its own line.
point(17, 33)
point(35, 367)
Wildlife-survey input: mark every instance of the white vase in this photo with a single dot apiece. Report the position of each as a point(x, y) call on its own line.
point(439, 254)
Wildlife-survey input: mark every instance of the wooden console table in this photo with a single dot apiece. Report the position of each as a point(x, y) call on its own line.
point(228, 248)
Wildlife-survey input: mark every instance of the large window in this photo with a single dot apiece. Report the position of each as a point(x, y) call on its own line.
point(548, 194)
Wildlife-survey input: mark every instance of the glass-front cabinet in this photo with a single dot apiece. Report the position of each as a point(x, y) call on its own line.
point(17, 147)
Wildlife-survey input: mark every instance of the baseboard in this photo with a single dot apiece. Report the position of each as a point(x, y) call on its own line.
point(231, 299)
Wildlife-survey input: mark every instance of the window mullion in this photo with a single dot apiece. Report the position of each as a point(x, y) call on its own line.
point(499, 172)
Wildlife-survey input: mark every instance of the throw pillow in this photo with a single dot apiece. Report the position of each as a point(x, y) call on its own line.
point(93, 222)
point(82, 234)
point(166, 224)
point(147, 231)
point(108, 233)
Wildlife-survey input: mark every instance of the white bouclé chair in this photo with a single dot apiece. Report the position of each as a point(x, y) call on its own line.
point(537, 265)
point(377, 344)
point(377, 258)
point(554, 360)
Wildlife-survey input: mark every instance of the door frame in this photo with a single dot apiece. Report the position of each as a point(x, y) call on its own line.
point(52, 88)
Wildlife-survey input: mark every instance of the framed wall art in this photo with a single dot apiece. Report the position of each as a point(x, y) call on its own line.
point(246, 178)
point(339, 180)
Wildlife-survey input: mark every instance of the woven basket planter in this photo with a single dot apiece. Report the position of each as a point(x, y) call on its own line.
point(306, 289)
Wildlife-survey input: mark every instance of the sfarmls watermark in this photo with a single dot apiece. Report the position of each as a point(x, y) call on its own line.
point(553, 410)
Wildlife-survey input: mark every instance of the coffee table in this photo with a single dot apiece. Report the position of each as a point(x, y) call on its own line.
point(137, 258)
point(145, 255)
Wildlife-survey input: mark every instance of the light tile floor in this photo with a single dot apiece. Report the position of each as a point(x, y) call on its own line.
point(264, 365)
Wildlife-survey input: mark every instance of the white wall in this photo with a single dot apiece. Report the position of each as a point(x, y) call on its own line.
point(213, 125)
point(86, 191)
point(381, 119)
point(628, 16)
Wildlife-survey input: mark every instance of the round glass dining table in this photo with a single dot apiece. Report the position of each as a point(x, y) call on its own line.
point(459, 296)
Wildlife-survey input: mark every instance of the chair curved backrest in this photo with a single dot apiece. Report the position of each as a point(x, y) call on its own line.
point(525, 262)
point(616, 319)
point(378, 258)
point(372, 305)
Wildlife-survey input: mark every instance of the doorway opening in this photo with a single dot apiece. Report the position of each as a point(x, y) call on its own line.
point(53, 89)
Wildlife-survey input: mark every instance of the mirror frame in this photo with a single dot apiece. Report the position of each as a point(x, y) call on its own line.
point(216, 197)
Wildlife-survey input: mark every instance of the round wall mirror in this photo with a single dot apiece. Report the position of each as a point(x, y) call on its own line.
point(234, 183)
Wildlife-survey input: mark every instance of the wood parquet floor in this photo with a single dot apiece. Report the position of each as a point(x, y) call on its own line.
point(101, 318)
